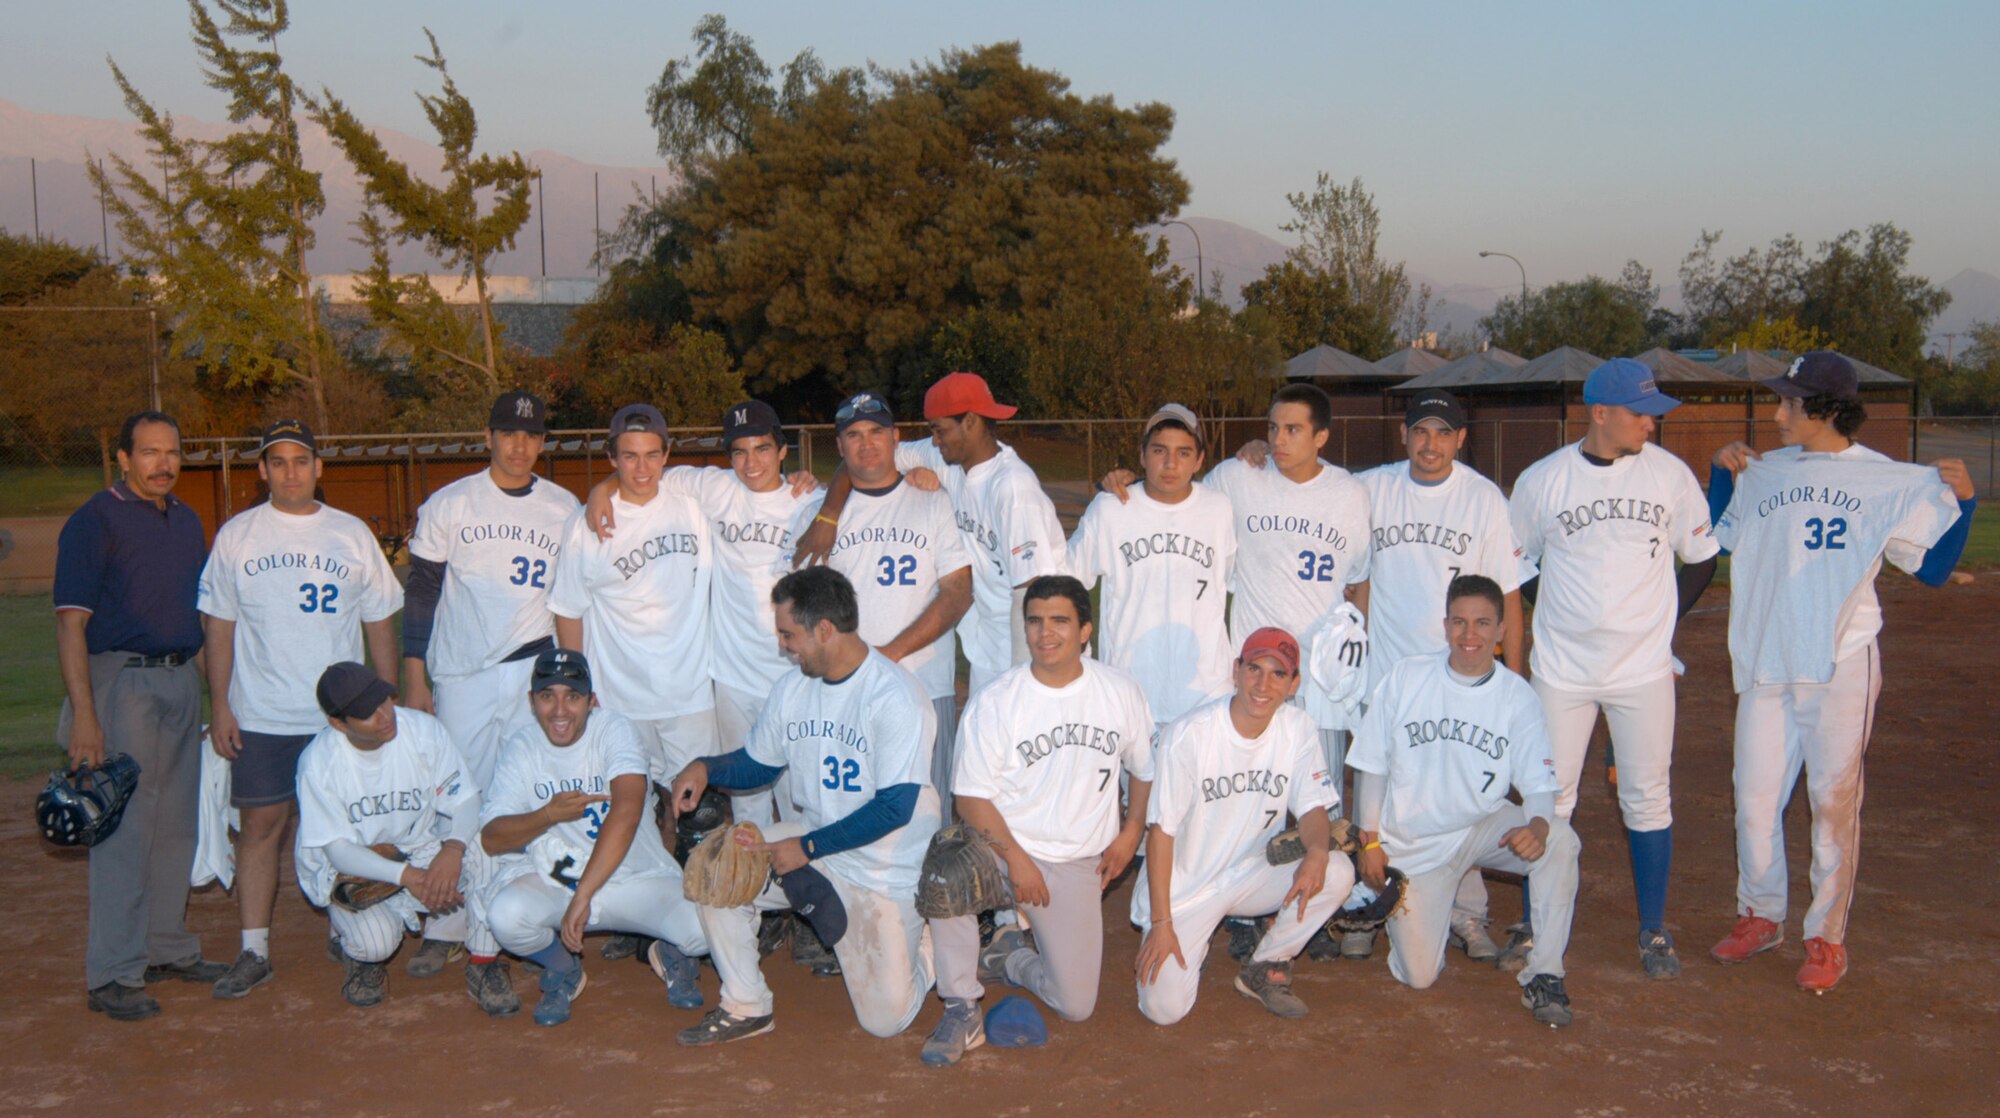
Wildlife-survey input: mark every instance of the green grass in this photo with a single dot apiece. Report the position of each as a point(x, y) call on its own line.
point(1982, 547)
point(31, 689)
point(46, 490)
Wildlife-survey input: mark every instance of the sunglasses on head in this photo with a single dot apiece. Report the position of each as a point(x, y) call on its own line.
point(860, 405)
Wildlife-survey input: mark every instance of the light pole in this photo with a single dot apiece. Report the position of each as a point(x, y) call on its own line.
point(1200, 278)
point(1524, 274)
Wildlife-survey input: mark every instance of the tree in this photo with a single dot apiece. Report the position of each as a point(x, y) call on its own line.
point(1333, 287)
point(225, 236)
point(1971, 384)
point(1610, 319)
point(448, 221)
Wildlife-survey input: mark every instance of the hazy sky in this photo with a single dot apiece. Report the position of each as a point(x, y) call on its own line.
point(1573, 135)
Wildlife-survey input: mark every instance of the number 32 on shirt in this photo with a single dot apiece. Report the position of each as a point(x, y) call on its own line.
point(841, 775)
point(1315, 566)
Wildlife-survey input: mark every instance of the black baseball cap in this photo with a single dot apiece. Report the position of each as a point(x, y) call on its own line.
point(863, 407)
point(640, 418)
point(519, 411)
point(288, 431)
point(1434, 403)
point(351, 690)
point(560, 665)
point(750, 419)
point(1819, 373)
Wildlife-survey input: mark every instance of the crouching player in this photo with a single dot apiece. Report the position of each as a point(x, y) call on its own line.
point(564, 818)
point(1225, 775)
point(1446, 735)
point(384, 797)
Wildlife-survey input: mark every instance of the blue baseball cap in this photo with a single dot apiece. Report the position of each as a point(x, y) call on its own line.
point(1013, 1022)
point(1819, 373)
point(1626, 383)
point(814, 900)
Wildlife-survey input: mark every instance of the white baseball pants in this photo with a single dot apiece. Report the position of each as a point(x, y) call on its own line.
point(374, 935)
point(526, 913)
point(481, 709)
point(735, 712)
point(1642, 735)
point(1062, 968)
point(1822, 728)
point(1417, 934)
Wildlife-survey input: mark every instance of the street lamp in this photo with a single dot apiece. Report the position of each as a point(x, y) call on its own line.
point(1199, 276)
point(1524, 273)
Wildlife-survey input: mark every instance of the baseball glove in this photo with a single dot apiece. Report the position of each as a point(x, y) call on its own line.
point(1368, 917)
point(724, 873)
point(711, 813)
point(1287, 847)
point(359, 894)
point(961, 876)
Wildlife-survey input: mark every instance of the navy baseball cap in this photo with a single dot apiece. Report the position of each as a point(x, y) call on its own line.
point(1819, 373)
point(750, 419)
point(1014, 1022)
point(351, 690)
point(643, 419)
point(560, 665)
point(1626, 383)
point(1435, 403)
point(814, 900)
point(519, 411)
point(288, 431)
point(860, 407)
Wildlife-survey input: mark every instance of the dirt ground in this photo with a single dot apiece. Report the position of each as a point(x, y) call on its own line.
point(1906, 1033)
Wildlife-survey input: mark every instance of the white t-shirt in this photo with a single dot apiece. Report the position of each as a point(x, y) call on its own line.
point(299, 589)
point(1422, 537)
point(894, 547)
point(406, 792)
point(1223, 796)
point(1806, 531)
point(846, 741)
point(1166, 575)
point(643, 599)
point(752, 531)
point(1298, 548)
point(1450, 753)
point(1010, 527)
point(531, 771)
point(499, 552)
point(1048, 757)
point(1605, 538)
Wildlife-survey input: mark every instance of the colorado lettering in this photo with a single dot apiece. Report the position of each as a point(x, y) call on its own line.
point(1436, 535)
point(1250, 782)
point(383, 803)
point(1167, 543)
point(1612, 508)
point(759, 531)
point(913, 539)
point(1806, 494)
point(1426, 731)
point(659, 547)
point(297, 561)
point(826, 729)
point(1069, 733)
point(984, 536)
point(1298, 526)
point(547, 789)
point(510, 534)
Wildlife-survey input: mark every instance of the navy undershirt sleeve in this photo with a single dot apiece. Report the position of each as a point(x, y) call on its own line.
point(891, 808)
point(420, 600)
point(737, 769)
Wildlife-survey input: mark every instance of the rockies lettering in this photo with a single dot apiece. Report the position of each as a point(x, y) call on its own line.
point(1387, 536)
point(1428, 730)
point(385, 803)
point(1611, 508)
point(1267, 782)
point(659, 547)
point(756, 531)
point(1068, 734)
point(1167, 543)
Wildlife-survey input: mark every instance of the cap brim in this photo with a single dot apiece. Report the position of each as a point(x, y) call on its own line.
point(1785, 387)
point(1652, 403)
point(997, 411)
point(369, 701)
point(283, 439)
point(519, 425)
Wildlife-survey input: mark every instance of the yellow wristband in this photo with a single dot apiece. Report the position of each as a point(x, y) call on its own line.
point(826, 520)
point(1376, 845)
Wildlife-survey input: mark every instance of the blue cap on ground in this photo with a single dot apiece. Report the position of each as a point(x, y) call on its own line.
point(1014, 1022)
point(1627, 384)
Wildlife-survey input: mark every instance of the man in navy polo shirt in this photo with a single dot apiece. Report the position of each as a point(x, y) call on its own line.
point(127, 564)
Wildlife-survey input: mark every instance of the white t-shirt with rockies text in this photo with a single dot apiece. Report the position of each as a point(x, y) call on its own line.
point(1422, 537)
point(1166, 572)
point(894, 547)
point(1807, 533)
point(751, 532)
point(1223, 796)
point(405, 792)
point(299, 589)
point(1450, 752)
point(499, 552)
point(1605, 538)
point(1010, 527)
point(1298, 548)
point(843, 743)
point(1048, 758)
point(643, 598)
point(531, 771)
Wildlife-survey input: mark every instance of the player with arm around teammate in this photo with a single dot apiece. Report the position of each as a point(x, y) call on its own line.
point(569, 820)
point(1808, 527)
point(1225, 775)
point(1038, 777)
point(380, 777)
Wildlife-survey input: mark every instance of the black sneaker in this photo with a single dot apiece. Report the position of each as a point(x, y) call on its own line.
point(722, 1026)
point(367, 984)
point(249, 971)
point(493, 988)
point(1545, 995)
point(808, 951)
point(1514, 956)
point(1270, 983)
point(620, 947)
point(1323, 947)
point(123, 1003)
point(1244, 935)
point(993, 957)
point(194, 969)
point(773, 929)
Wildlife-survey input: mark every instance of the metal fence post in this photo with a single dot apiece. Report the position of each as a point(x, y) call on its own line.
point(1089, 450)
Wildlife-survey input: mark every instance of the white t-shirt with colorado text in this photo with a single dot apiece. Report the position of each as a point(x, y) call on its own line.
point(499, 550)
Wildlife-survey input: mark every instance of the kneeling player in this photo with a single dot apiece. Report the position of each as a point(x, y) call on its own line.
point(1227, 772)
point(1038, 756)
point(856, 729)
point(564, 814)
point(385, 797)
point(1446, 735)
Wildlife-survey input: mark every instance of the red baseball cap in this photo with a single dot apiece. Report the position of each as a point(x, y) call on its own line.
point(1273, 642)
point(959, 393)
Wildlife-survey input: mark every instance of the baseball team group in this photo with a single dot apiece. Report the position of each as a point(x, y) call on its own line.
point(1311, 705)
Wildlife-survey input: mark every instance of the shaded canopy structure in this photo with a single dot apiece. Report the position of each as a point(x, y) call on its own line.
point(1323, 364)
point(1465, 372)
point(1410, 362)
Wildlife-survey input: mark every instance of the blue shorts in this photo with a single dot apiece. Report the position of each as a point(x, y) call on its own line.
point(267, 771)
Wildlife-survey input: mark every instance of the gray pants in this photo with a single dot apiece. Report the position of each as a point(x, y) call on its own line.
point(945, 752)
point(139, 876)
point(1417, 934)
point(1062, 969)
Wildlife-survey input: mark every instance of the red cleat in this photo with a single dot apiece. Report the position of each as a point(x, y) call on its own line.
point(1751, 935)
point(1826, 963)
